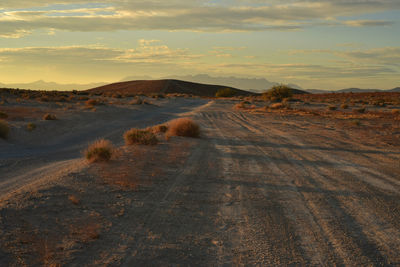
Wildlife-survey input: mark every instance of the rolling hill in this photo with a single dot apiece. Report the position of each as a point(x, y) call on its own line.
point(170, 86)
point(165, 86)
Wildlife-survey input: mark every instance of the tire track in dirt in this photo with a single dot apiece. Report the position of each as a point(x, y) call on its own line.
point(368, 248)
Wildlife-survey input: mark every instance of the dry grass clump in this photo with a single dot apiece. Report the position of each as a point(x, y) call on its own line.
point(99, 151)
point(225, 92)
point(137, 136)
point(31, 126)
point(241, 105)
point(92, 102)
point(74, 199)
point(4, 129)
point(183, 127)
point(137, 101)
point(278, 92)
point(49, 117)
point(3, 115)
point(160, 128)
point(277, 106)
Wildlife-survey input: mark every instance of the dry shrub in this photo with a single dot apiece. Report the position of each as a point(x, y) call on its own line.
point(91, 102)
point(183, 127)
point(277, 106)
point(137, 101)
point(137, 136)
point(225, 92)
point(99, 151)
point(31, 126)
point(344, 106)
point(278, 92)
point(87, 231)
point(4, 129)
point(241, 105)
point(74, 199)
point(49, 117)
point(160, 128)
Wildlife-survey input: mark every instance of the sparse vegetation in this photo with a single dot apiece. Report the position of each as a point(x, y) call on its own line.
point(31, 126)
point(226, 92)
point(277, 93)
point(242, 105)
point(91, 102)
point(137, 136)
point(183, 127)
point(160, 128)
point(137, 101)
point(4, 129)
point(74, 199)
point(99, 151)
point(277, 106)
point(49, 117)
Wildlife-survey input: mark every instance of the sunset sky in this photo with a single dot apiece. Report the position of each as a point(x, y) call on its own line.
point(325, 44)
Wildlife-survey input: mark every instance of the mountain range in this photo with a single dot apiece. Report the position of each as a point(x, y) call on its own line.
point(42, 85)
point(251, 84)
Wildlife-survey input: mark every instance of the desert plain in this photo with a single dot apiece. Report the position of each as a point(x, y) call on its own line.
point(313, 180)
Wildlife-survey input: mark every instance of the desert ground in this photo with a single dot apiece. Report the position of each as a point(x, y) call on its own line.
point(307, 182)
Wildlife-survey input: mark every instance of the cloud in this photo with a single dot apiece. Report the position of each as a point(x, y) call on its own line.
point(362, 23)
point(389, 56)
point(147, 51)
point(193, 15)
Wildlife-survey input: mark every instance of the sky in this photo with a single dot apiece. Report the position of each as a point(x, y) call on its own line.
point(320, 44)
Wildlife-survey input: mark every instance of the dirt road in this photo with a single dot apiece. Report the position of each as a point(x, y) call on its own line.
point(258, 189)
point(268, 190)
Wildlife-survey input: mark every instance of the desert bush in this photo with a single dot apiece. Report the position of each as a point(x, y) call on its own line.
point(74, 199)
point(277, 106)
point(137, 101)
point(183, 127)
point(3, 115)
point(49, 117)
point(241, 105)
point(4, 129)
point(226, 92)
point(278, 92)
point(160, 128)
point(92, 102)
point(31, 126)
point(137, 136)
point(99, 151)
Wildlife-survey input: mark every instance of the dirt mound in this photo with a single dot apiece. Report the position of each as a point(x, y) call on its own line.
point(164, 86)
